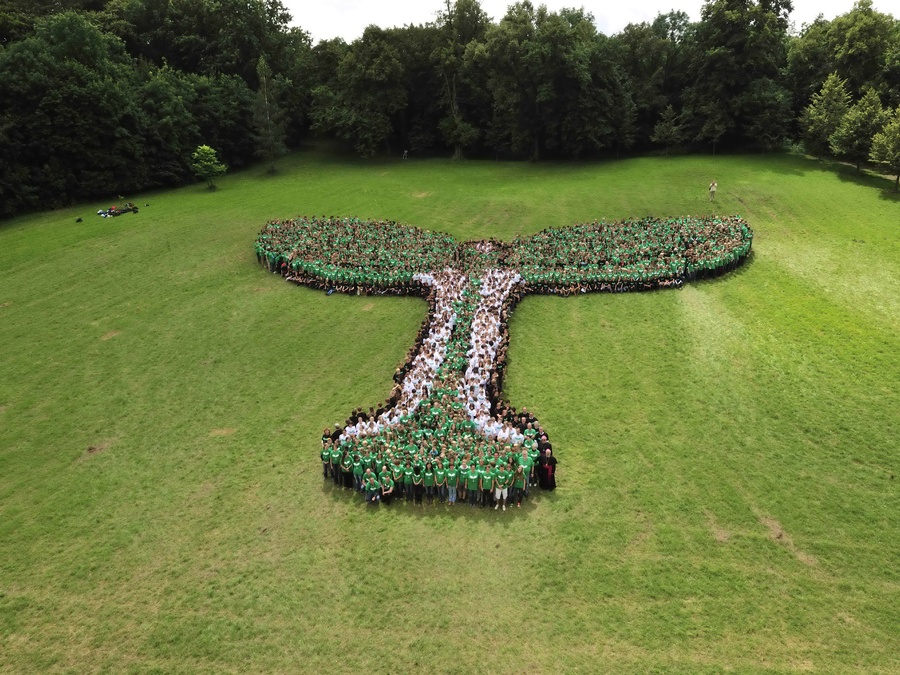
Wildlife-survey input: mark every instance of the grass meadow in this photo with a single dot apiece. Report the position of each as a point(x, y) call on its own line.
point(728, 497)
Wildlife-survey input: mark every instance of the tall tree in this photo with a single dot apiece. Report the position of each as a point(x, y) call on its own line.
point(462, 23)
point(739, 60)
point(668, 131)
point(822, 117)
point(268, 118)
point(853, 137)
point(368, 90)
point(72, 120)
point(886, 147)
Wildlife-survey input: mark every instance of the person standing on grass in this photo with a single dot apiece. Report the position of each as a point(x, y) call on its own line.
point(488, 483)
point(428, 482)
point(452, 477)
point(501, 487)
point(712, 190)
point(519, 481)
point(547, 471)
point(473, 479)
point(408, 485)
point(440, 481)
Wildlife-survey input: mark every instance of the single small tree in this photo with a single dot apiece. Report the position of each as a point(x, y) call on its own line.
point(206, 165)
point(268, 118)
point(886, 147)
point(668, 131)
point(853, 138)
point(821, 118)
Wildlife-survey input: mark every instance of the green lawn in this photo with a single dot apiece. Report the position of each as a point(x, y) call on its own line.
point(728, 452)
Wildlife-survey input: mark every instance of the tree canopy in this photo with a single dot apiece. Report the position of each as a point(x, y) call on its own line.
point(110, 96)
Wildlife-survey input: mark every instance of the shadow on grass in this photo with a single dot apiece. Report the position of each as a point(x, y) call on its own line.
point(438, 510)
point(847, 173)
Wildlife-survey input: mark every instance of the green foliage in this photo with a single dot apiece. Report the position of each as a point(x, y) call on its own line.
point(70, 116)
point(268, 118)
point(886, 146)
point(822, 117)
point(853, 137)
point(367, 92)
point(206, 165)
point(740, 53)
point(668, 131)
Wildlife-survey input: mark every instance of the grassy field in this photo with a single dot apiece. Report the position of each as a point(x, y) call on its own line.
point(728, 452)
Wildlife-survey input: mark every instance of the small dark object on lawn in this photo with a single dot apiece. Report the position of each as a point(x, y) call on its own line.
point(146, 205)
point(78, 220)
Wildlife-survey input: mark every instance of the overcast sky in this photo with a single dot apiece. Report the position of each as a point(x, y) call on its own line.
point(348, 18)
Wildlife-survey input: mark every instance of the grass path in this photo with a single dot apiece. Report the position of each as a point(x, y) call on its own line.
point(728, 452)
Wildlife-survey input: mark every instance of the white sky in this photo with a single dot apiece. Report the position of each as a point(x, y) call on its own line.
point(326, 19)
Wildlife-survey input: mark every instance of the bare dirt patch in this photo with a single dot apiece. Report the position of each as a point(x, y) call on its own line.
point(368, 307)
point(95, 449)
point(111, 334)
point(421, 195)
point(777, 534)
point(5, 304)
point(719, 533)
point(227, 431)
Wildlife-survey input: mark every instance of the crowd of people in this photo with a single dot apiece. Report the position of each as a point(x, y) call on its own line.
point(445, 433)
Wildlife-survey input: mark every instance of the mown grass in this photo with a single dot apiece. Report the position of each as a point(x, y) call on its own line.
point(728, 452)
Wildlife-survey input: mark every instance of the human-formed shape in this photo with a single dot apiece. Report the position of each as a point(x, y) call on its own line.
point(447, 393)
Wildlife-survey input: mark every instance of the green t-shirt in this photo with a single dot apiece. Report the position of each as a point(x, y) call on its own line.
point(387, 485)
point(452, 475)
point(429, 478)
point(336, 456)
point(519, 479)
point(372, 484)
point(487, 480)
point(504, 478)
point(440, 476)
point(472, 479)
point(358, 469)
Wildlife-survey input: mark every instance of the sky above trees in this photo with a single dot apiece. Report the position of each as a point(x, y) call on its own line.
point(328, 19)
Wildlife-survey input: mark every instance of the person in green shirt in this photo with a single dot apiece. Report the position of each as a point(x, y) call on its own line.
point(326, 458)
point(387, 491)
point(520, 480)
point(346, 471)
point(428, 480)
point(502, 482)
point(487, 485)
point(418, 484)
point(336, 455)
point(440, 481)
point(408, 486)
point(452, 477)
point(473, 480)
point(373, 489)
point(358, 472)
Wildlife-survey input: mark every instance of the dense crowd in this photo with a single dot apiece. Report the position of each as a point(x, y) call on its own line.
point(445, 432)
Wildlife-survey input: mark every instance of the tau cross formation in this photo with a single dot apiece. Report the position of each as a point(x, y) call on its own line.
point(447, 397)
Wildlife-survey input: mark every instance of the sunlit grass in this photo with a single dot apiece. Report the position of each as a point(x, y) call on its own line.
point(728, 451)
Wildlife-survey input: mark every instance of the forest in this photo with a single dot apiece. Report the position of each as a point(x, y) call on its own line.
point(105, 97)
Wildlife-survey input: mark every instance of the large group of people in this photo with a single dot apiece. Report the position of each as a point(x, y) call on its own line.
point(445, 433)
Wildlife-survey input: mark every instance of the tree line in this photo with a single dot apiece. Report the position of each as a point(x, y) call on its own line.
point(99, 97)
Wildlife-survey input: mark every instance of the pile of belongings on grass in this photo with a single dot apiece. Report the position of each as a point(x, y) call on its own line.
point(114, 210)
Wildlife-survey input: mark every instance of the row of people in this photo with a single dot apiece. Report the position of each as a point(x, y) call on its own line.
point(491, 483)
